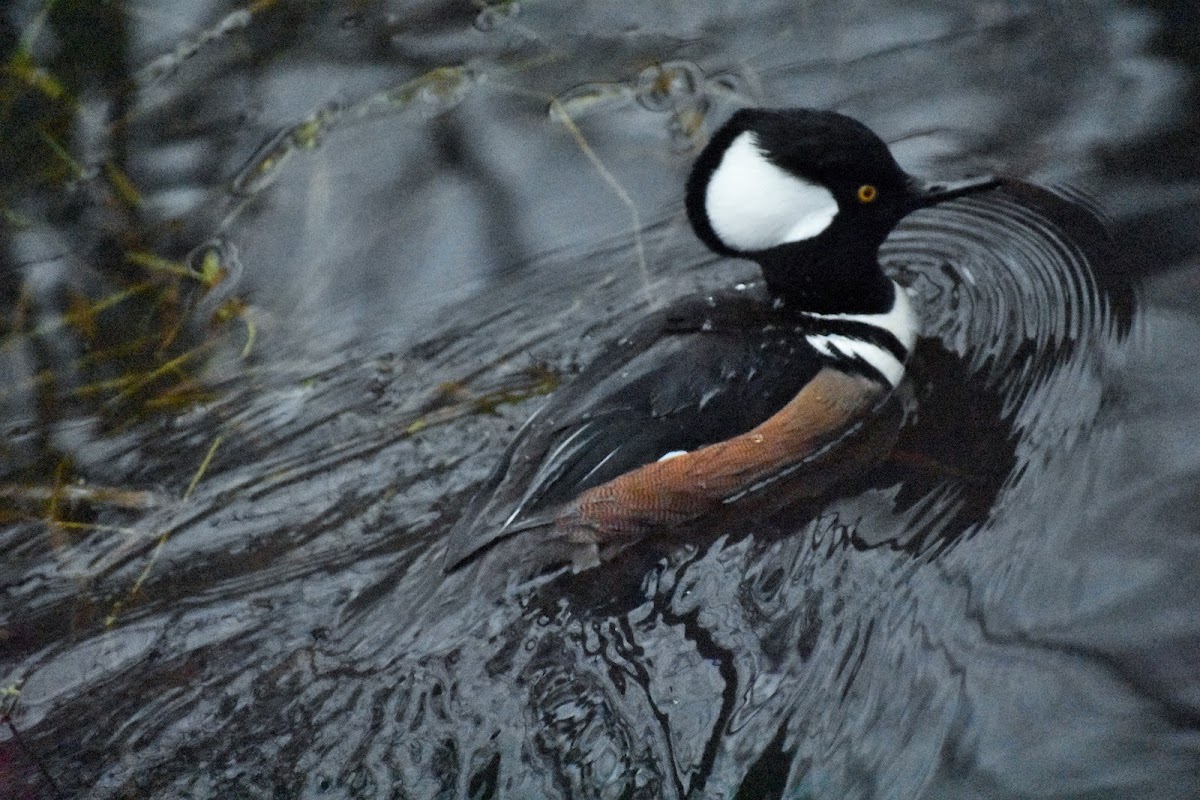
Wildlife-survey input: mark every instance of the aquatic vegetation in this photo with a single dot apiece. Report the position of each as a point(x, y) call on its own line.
point(278, 282)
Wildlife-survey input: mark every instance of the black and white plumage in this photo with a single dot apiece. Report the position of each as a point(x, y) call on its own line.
point(724, 396)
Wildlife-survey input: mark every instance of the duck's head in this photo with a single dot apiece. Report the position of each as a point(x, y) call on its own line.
point(810, 195)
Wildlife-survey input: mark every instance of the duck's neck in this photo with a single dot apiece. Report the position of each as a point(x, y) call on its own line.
point(829, 280)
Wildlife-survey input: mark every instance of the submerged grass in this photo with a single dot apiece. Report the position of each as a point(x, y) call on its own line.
point(111, 619)
point(120, 336)
point(140, 327)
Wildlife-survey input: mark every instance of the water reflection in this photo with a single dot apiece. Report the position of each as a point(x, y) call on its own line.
point(351, 248)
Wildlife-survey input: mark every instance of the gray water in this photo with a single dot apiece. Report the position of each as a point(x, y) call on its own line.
point(223, 503)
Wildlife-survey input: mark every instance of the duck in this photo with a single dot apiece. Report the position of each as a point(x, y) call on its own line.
point(724, 396)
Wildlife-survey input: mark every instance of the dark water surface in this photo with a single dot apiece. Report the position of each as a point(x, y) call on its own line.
point(279, 281)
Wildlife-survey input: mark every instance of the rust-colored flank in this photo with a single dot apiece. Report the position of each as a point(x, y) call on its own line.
point(684, 487)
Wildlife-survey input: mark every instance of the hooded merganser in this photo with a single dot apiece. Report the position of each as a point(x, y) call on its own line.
point(711, 399)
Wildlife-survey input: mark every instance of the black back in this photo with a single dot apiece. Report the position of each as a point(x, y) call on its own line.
point(697, 373)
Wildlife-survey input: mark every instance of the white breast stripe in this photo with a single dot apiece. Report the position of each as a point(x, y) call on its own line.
point(752, 204)
point(832, 344)
point(674, 454)
point(901, 322)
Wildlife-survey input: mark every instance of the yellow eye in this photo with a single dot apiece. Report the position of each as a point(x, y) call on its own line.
point(867, 193)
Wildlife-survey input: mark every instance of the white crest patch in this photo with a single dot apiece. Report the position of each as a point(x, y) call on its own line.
point(752, 204)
